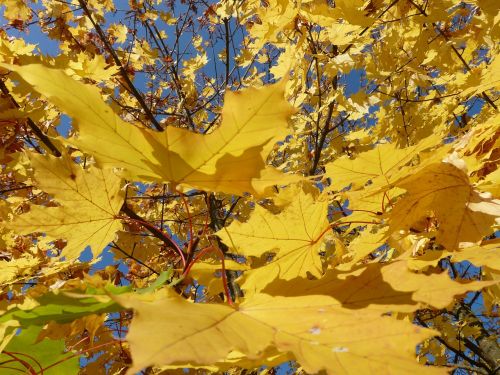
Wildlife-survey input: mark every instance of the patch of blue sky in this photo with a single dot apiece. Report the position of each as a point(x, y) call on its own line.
point(64, 126)
point(104, 259)
point(34, 37)
point(353, 81)
point(474, 105)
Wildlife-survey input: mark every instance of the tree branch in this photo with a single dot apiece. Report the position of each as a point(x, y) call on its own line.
point(451, 348)
point(154, 231)
point(123, 73)
point(226, 28)
point(31, 124)
point(115, 246)
point(460, 57)
point(487, 347)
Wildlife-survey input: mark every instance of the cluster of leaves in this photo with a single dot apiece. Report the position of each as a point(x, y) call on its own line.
point(223, 187)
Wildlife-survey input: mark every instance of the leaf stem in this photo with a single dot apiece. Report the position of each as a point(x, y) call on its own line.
point(23, 362)
point(224, 277)
point(77, 354)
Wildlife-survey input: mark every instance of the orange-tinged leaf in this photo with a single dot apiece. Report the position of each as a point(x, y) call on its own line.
point(90, 202)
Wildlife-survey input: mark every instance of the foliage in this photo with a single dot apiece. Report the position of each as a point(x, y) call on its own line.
point(249, 186)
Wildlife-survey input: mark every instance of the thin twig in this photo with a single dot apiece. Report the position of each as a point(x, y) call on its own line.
point(117, 247)
point(34, 128)
point(123, 72)
point(226, 28)
point(155, 231)
point(455, 51)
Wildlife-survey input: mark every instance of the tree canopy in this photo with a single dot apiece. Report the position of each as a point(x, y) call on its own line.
point(249, 186)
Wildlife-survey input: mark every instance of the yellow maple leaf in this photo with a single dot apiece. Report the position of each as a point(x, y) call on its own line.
point(436, 290)
point(16, 10)
point(380, 287)
point(13, 270)
point(380, 165)
point(277, 15)
point(444, 190)
point(90, 202)
point(253, 120)
point(94, 67)
point(294, 235)
point(483, 79)
point(318, 332)
point(207, 273)
point(270, 357)
point(490, 183)
point(120, 32)
point(479, 148)
point(430, 258)
point(194, 64)
point(324, 14)
point(367, 242)
point(486, 254)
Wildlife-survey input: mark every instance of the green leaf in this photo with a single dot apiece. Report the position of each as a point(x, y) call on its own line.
point(158, 283)
point(43, 353)
point(61, 308)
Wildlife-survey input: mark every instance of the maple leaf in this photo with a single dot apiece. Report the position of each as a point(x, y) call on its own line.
point(319, 333)
point(444, 190)
point(94, 68)
point(367, 242)
point(252, 121)
point(205, 272)
point(379, 166)
point(16, 10)
point(486, 254)
point(380, 287)
point(13, 270)
point(90, 201)
point(294, 235)
point(42, 353)
point(484, 79)
point(436, 290)
point(60, 308)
